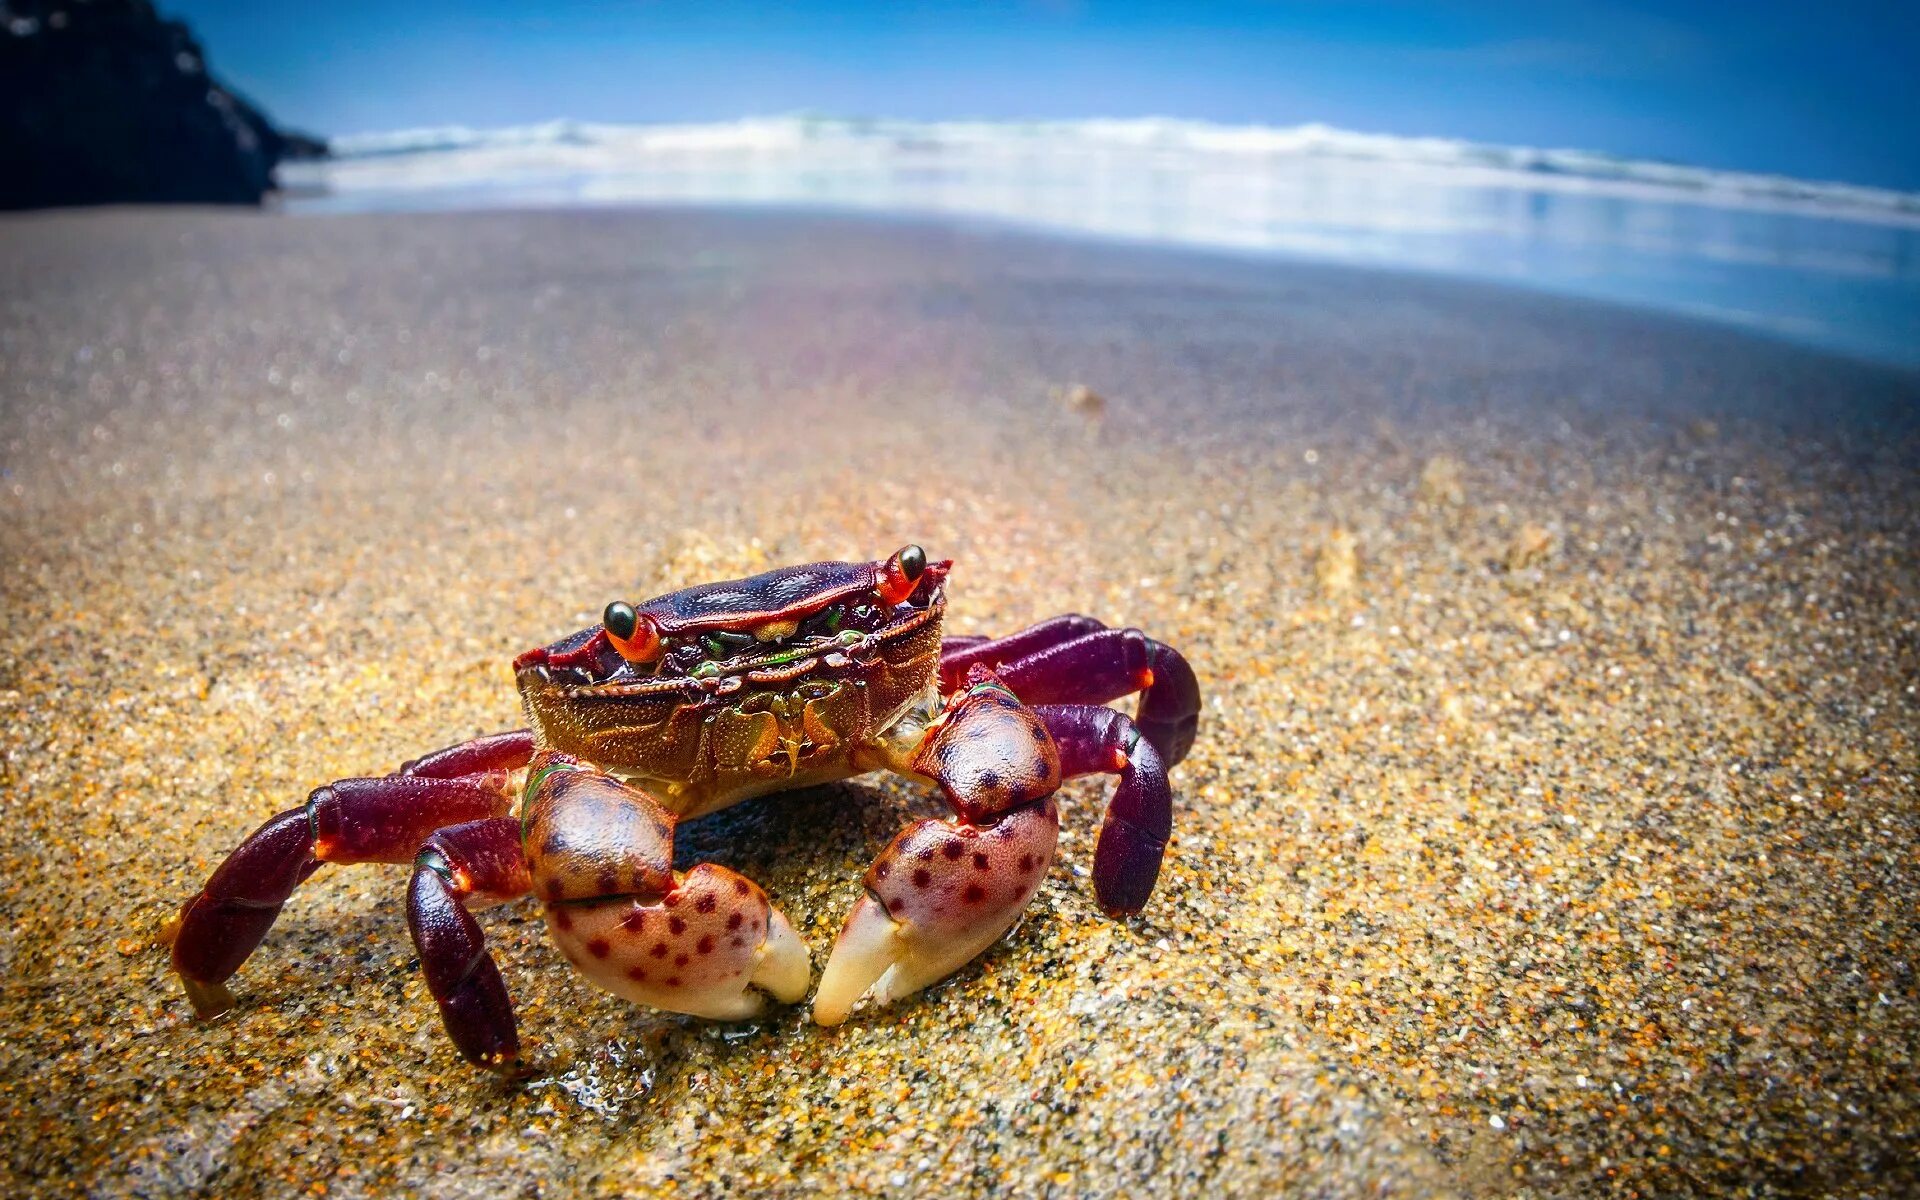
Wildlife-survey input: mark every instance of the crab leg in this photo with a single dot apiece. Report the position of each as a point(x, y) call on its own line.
point(959, 653)
point(458, 869)
point(601, 856)
point(944, 891)
point(1094, 740)
point(347, 821)
point(1094, 667)
point(505, 751)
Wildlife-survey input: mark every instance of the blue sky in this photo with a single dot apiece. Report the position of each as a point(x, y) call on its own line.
point(1826, 91)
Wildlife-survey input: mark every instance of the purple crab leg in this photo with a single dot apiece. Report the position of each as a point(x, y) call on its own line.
point(458, 869)
point(1095, 740)
point(1095, 667)
point(347, 821)
point(505, 751)
point(959, 654)
point(956, 643)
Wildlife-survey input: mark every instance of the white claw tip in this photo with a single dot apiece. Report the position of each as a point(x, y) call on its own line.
point(867, 946)
point(784, 967)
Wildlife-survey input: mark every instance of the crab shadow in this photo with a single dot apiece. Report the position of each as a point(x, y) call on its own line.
point(802, 839)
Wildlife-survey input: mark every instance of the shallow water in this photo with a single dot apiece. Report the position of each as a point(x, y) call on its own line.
point(1820, 264)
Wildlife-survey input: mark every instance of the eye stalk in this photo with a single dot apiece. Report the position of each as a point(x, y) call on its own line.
point(633, 635)
point(901, 572)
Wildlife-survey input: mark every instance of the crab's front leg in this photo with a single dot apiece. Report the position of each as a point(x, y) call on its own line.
point(458, 869)
point(1076, 660)
point(1095, 740)
point(944, 891)
point(600, 852)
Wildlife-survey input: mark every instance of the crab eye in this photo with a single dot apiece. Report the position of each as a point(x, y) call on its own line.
point(620, 619)
point(900, 572)
point(631, 634)
point(912, 560)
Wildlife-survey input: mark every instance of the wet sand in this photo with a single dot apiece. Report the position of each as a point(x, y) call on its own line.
point(1552, 828)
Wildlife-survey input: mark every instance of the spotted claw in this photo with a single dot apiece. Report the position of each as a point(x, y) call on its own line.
point(710, 947)
point(936, 898)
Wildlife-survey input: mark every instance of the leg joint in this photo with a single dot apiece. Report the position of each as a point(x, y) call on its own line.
point(431, 859)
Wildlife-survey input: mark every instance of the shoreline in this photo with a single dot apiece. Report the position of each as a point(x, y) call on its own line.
point(1820, 275)
point(1873, 353)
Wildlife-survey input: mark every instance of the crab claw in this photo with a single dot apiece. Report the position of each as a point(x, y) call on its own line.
point(936, 898)
point(701, 949)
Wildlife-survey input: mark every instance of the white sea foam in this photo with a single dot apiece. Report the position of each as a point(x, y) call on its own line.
point(462, 157)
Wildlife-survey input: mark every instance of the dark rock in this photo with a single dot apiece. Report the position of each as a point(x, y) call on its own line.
point(105, 102)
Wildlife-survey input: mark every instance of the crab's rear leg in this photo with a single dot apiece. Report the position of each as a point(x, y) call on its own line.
point(1076, 660)
point(601, 856)
point(347, 821)
point(944, 891)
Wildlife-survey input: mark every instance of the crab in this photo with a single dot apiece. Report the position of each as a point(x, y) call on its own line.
point(699, 699)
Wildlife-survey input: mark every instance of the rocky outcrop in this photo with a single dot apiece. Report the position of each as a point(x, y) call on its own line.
point(106, 102)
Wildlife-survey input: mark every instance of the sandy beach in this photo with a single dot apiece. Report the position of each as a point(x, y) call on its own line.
point(1551, 829)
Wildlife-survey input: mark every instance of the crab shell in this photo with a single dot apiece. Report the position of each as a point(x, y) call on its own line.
point(703, 743)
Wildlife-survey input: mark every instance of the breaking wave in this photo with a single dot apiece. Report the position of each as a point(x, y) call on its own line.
point(454, 156)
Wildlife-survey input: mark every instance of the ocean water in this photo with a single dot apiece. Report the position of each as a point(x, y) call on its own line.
point(1831, 265)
